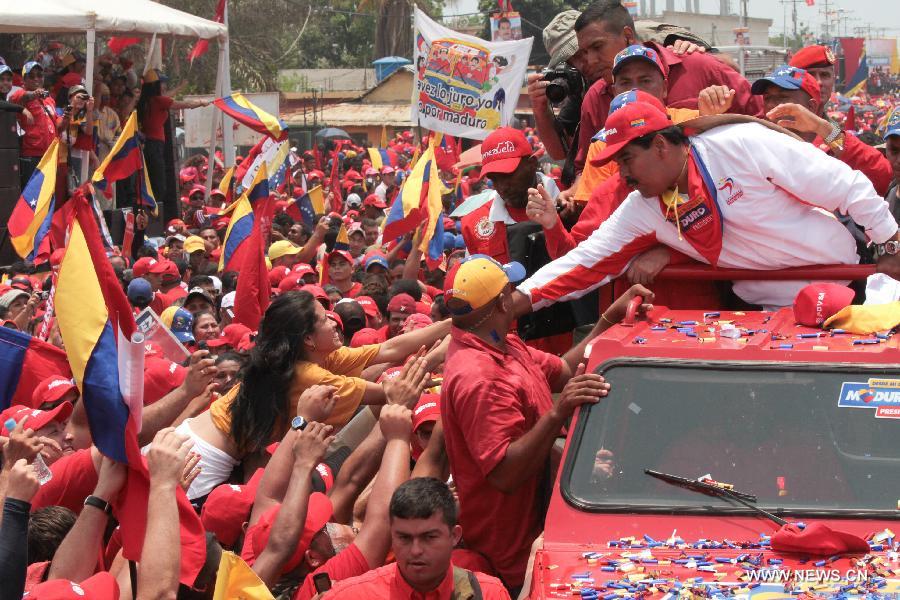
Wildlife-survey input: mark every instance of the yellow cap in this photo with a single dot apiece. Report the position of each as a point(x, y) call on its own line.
point(193, 244)
point(282, 248)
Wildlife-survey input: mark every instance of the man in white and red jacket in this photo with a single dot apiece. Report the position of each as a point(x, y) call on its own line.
point(736, 196)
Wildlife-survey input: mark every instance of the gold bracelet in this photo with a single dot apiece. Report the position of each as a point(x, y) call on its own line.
point(603, 318)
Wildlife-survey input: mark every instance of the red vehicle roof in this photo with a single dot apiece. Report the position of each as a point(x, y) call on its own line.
point(764, 336)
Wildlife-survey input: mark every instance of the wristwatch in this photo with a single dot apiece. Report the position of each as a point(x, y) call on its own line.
point(99, 503)
point(891, 247)
point(298, 423)
point(835, 133)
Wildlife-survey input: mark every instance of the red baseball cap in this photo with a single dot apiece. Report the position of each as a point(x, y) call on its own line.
point(231, 335)
point(336, 318)
point(318, 513)
point(369, 306)
point(100, 586)
point(374, 200)
point(161, 376)
point(228, 507)
point(817, 302)
point(428, 408)
point(503, 150)
point(625, 125)
point(813, 57)
point(142, 266)
point(52, 389)
point(402, 303)
point(277, 274)
point(37, 419)
point(302, 269)
point(292, 282)
point(317, 291)
point(365, 337)
point(342, 253)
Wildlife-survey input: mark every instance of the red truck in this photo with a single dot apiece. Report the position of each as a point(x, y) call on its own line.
point(797, 425)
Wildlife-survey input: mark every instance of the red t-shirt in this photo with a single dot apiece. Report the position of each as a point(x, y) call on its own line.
point(387, 583)
point(688, 76)
point(39, 134)
point(489, 399)
point(348, 563)
point(157, 113)
point(74, 478)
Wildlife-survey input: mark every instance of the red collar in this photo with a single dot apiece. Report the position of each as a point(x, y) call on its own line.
point(401, 589)
point(470, 340)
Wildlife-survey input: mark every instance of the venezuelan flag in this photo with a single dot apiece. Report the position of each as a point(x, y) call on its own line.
point(432, 242)
point(124, 159)
point(225, 185)
point(381, 157)
point(106, 356)
point(858, 82)
point(246, 113)
point(25, 361)
point(405, 213)
point(239, 229)
point(29, 223)
point(309, 205)
point(259, 189)
point(147, 199)
point(97, 326)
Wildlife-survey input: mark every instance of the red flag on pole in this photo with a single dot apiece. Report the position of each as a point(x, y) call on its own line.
point(850, 124)
point(202, 46)
point(810, 2)
point(337, 200)
point(117, 44)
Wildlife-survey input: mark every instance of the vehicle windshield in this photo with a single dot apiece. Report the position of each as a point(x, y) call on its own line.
point(805, 439)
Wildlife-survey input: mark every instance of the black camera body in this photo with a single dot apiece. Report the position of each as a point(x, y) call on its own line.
point(565, 81)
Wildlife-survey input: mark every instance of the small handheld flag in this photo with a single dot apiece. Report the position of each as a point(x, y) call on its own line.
point(246, 113)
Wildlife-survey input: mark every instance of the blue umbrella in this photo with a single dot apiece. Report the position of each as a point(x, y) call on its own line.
point(332, 133)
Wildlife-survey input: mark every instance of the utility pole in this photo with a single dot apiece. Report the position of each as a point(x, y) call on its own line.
point(826, 10)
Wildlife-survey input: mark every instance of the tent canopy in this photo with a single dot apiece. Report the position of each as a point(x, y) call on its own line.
point(105, 16)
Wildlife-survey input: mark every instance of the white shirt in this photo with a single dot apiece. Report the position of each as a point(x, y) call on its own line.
point(772, 212)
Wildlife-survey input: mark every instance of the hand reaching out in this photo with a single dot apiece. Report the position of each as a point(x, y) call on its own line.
point(406, 388)
point(167, 457)
point(396, 422)
point(541, 208)
point(311, 445)
point(23, 481)
point(316, 403)
point(583, 388)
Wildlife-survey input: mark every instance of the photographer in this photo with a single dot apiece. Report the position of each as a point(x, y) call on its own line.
point(38, 121)
point(77, 132)
point(606, 28)
point(562, 84)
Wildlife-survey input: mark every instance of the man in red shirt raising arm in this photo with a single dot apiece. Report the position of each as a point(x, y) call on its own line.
point(498, 414)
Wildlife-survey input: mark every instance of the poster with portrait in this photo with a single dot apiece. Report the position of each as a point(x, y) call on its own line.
point(506, 27)
point(465, 86)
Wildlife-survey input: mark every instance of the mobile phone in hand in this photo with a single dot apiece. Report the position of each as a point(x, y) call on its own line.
point(322, 582)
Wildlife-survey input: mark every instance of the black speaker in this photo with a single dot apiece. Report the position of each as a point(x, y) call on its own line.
point(9, 168)
point(8, 198)
point(7, 254)
point(9, 138)
point(115, 221)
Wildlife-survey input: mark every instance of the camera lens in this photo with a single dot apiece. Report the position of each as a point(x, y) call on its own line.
point(557, 90)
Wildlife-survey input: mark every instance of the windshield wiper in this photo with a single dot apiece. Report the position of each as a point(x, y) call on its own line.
point(714, 490)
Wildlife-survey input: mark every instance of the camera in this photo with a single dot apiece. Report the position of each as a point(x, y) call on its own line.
point(565, 81)
point(43, 94)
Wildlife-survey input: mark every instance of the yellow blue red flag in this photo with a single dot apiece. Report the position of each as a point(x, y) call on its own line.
point(381, 157)
point(29, 223)
point(147, 198)
point(405, 213)
point(246, 113)
point(106, 356)
point(123, 159)
point(239, 229)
